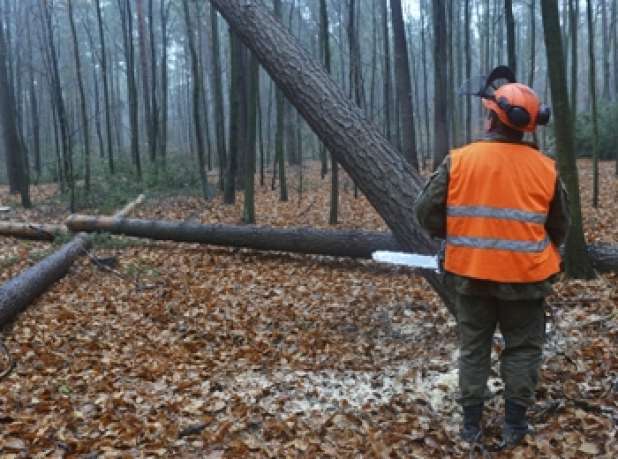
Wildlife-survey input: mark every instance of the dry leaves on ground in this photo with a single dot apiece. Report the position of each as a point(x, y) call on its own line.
point(233, 353)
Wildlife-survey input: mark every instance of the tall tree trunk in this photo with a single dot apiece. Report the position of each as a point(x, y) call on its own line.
point(67, 150)
point(196, 100)
point(386, 179)
point(217, 96)
point(425, 80)
point(386, 65)
point(279, 148)
point(165, 9)
point(404, 87)
point(532, 42)
point(324, 53)
point(440, 119)
point(236, 95)
point(510, 34)
point(106, 97)
point(254, 88)
point(14, 147)
point(34, 106)
point(605, 31)
point(82, 98)
point(576, 259)
point(468, 70)
point(574, 25)
point(129, 51)
point(593, 98)
point(326, 61)
point(154, 105)
point(145, 71)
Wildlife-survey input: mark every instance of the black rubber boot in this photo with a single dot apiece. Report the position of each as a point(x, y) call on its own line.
point(515, 424)
point(471, 431)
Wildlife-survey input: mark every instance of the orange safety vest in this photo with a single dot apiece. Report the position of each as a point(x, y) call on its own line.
point(498, 200)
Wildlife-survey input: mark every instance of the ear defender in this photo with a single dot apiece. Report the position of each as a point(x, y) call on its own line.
point(544, 115)
point(516, 115)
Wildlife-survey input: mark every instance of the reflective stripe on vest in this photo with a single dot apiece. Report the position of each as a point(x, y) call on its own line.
point(498, 199)
point(495, 212)
point(498, 244)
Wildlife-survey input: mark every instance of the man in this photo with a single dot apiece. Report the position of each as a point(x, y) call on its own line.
point(502, 210)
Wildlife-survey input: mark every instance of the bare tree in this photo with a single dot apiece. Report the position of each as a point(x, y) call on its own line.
point(577, 261)
point(440, 124)
point(404, 87)
point(82, 97)
point(106, 96)
point(14, 147)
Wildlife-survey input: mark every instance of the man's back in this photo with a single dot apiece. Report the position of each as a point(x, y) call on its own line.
point(498, 199)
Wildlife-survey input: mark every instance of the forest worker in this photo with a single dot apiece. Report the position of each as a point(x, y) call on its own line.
point(503, 212)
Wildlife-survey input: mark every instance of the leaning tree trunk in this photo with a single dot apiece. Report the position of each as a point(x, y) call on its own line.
point(19, 292)
point(387, 180)
point(336, 243)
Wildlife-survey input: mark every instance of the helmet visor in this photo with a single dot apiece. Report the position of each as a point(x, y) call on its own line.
point(486, 86)
point(475, 86)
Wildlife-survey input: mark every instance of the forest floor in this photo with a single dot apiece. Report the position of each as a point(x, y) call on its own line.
point(195, 351)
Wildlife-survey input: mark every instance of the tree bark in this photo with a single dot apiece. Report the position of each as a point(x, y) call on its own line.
point(129, 52)
point(336, 243)
point(106, 97)
point(197, 88)
point(164, 86)
point(82, 97)
point(57, 94)
point(404, 86)
point(510, 34)
point(19, 292)
point(576, 259)
point(145, 70)
point(593, 98)
point(386, 179)
point(440, 118)
point(386, 76)
point(14, 147)
point(217, 95)
point(34, 231)
point(279, 148)
point(574, 25)
point(250, 154)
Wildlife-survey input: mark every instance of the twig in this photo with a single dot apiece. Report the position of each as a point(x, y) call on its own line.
point(585, 299)
point(307, 209)
point(138, 285)
point(11, 363)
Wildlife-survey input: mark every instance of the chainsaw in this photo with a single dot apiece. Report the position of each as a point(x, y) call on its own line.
point(412, 260)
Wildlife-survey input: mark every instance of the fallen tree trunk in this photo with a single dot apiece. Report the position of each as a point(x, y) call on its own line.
point(19, 292)
point(342, 243)
point(339, 243)
point(604, 257)
point(39, 232)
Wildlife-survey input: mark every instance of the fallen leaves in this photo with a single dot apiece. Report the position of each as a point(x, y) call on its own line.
point(234, 353)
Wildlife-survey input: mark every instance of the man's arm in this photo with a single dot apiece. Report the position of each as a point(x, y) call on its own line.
point(558, 218)
point(430, 206)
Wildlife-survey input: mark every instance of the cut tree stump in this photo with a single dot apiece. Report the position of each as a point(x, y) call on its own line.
point(19, 292)
point(336, 243)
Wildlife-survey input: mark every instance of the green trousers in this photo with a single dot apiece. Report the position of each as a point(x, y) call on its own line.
point(522, 324)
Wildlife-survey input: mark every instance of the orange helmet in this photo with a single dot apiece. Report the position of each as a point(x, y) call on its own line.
point(517, 106)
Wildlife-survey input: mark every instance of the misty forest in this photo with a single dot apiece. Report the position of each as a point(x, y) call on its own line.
point(191, 192)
